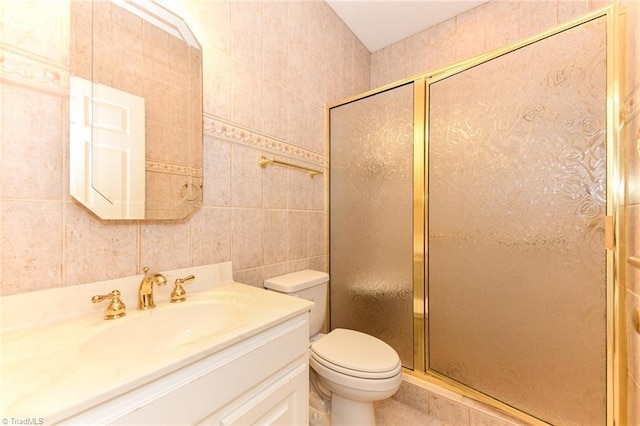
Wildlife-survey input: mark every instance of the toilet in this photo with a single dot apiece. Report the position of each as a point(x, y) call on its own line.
point(354, 369)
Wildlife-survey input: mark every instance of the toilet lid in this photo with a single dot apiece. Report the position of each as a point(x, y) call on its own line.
point(356, 351)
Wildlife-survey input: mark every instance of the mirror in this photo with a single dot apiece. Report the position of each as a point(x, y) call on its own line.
point(135, 111)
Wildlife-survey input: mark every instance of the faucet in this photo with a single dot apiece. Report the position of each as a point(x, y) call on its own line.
point(116, 308)
point(145, 294)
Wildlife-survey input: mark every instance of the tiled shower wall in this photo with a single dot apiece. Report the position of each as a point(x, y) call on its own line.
point(499, 23)
point(269, 70)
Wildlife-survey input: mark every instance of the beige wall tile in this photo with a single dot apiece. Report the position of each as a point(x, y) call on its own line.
point(157, 101)
point(31, 246)
point(479, 418)
point(501, 24)
point(297, 118)
point(487, 27)
point(165, 245)
point(317, 226)
point(298, 237)
point(246, 33)
point(213, 26)
point(270, 271)
point(441, 45)
point(534, 17)
point(447, 411)
point(31, 131)
point(298, 265)
point(246, 177)
point(297, 64)
point(597, 4)
point(568, 10)
point(156, 45)
point(274, 187)
point(320, 263)
point(316, 140)
point(470, 33)
point(217, 176)
point(418, 60)
point(319, 185)
point(413, 396)
point(315, 89)
point(39, 26)
point(392, 63)
point(299, 190)
point(246, 96)
point(253, 277)
point(246, 238)
point(217, 83)
point(211, 235)
point(96, 249)
point(275, 108)
point(275, 46)
point(274, 232)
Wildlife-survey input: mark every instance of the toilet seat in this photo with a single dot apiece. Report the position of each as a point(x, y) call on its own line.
point(356, 354)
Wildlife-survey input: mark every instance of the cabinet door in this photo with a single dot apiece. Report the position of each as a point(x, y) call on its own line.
point(283, 402)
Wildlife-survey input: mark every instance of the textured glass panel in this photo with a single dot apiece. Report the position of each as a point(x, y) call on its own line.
point(517, 199)
point(371, 218)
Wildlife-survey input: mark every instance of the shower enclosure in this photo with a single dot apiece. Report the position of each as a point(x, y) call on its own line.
point(472, 217)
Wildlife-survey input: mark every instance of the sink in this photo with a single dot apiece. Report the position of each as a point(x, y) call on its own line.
point(162, 328)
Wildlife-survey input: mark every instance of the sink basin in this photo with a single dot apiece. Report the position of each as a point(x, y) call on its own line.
point(162, 328)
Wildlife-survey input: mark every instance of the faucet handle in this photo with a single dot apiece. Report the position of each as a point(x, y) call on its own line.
point(178, 294)
point(116, 307)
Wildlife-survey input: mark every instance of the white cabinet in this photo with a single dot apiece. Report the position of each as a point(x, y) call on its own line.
point(260, 380)
point(280, 402)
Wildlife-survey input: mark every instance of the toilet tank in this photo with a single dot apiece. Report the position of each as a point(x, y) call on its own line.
point(309, 285)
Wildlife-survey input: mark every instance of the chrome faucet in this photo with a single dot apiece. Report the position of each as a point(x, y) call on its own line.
point(145, 294)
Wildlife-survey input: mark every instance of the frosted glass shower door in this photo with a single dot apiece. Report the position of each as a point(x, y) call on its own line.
point(516, 211)
point(371, 207)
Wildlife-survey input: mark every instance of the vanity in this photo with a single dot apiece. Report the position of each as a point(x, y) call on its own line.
point(230, 354)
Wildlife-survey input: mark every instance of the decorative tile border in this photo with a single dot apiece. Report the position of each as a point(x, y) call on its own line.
point(631, 106)
point(214, 127)
point(23, 68)
point(173, 169)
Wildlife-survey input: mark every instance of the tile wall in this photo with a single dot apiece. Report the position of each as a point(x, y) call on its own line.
point(489, 26)
point(269, 70)
point(498, 23)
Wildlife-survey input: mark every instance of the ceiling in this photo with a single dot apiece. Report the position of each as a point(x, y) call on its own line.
point(379, 23)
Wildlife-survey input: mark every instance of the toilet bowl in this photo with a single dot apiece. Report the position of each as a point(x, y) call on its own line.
point(358, 369)
point(355, 368)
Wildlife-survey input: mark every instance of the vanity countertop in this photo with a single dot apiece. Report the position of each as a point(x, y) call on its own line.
point(58, 369)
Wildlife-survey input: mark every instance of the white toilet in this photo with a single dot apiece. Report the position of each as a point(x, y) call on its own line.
point(356, 368)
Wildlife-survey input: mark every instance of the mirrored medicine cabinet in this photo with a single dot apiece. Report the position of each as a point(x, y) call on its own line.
point(135, 111)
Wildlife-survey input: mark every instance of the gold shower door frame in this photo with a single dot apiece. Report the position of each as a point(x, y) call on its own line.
point(614, 224)
point(616, 391)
